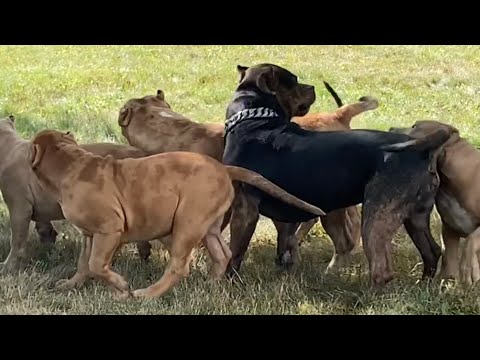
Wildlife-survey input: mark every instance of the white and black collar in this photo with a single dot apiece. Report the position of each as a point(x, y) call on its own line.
point(246, 114)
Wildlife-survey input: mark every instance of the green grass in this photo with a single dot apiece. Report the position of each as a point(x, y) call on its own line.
point(81, 88)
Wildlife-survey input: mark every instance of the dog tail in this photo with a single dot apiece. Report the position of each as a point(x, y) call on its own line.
point(257, 180)
point(125, 116)
point(334, 94)
point(429, 142)
point(347, 112)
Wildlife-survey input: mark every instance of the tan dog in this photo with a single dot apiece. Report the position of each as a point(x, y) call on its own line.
point(179, 195)
point(150, 124)
point(25, 198)
point(457, 201)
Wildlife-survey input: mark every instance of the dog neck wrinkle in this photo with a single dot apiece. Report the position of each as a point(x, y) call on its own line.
point(73, 155)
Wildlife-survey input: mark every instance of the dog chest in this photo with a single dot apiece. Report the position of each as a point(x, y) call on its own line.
point(454, 214)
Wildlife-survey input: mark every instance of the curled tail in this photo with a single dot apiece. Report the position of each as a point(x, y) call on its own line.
point(429, 142)
point(257, 180)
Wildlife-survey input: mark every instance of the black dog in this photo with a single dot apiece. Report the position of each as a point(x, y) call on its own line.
point(331, 170)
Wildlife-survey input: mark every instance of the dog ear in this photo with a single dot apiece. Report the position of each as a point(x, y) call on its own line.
point(125, 117)
point(70, 135)
point(12, 118)
point(160, 94)
point(267, 81)
point(241, 70)
point(36, 155)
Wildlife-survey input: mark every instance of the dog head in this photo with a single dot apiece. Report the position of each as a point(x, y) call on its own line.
point(294, 98)
point(422, 128)
point(132, 105)
point(48, 141)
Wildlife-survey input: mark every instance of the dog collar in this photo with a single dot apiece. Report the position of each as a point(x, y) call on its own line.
point(246, 114)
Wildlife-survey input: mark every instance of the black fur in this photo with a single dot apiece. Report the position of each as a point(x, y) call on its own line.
point(332, 170)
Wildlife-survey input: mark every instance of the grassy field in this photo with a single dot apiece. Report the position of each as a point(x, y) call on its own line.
point(81, 88)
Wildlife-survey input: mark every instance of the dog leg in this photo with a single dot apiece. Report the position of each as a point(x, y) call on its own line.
point(218, 250)
point(287, 244)
point(418, 228)
point(337, 227)
point(226, 219)
point(46, 232)
point(83, 272)
point(469, 267)
point(242, 226)
point(378, 227)
point(304, 229)
point(178, 266)
point(103, 249)
point(450, 263)
point(20, 222)
point(144, 249)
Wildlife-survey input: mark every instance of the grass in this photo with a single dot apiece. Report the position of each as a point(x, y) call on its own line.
point(81, 88)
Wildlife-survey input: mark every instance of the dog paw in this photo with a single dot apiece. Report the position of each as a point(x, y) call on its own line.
point(470, 274)
point(285, 260)
point(65, 284)
point(338, 262)
point(140, 293)
point(11, 266)
point(122, 295)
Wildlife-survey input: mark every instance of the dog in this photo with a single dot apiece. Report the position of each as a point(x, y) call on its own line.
point(343, 225)
point(26, 200)
point(393, 175)
point(150, 124)
point(457, 200)
point(180, 197)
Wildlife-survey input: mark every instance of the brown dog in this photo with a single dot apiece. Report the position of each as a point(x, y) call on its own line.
point(150, 124)
point(26, 199)
point(457, 201)
point(182, 195)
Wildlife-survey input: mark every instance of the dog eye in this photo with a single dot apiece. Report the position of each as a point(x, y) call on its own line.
point(413, 126)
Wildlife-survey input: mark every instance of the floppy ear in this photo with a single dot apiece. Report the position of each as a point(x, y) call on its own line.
point(160, 94)
point(241, 70)
point(267, 81)
point(36, 155)
point(125, 117)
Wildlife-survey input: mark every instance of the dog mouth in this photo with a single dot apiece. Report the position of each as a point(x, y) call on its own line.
point(303, 109)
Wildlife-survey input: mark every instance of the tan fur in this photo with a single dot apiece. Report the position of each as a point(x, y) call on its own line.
point(150, 124)
point(458, 201)
point(179, 194)
point(25, 198)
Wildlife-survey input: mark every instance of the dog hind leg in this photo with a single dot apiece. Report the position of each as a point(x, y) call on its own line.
point(379, 224)
point(287, 244)
point(178, 266)
point(218, 250)
point(337, 226)
point(245, 216)
point(418, 228)
point(469, 267)
point(450, 263)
